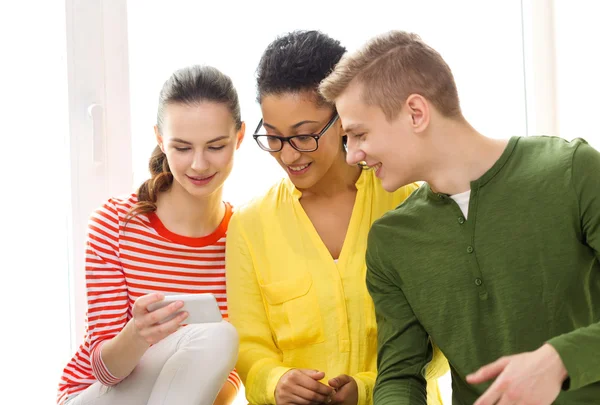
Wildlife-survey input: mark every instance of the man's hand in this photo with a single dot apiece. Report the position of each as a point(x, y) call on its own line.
point(346, 390)
point(302, 387)
point(532, 378)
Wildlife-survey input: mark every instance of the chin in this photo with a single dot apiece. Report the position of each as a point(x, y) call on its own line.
point(302, 184)
point(390, 186)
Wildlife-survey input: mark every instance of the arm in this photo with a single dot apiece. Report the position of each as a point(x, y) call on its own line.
point(403, 345)
point(116, 343)
point(579, 349)
point(106, 294)
point(259, 360)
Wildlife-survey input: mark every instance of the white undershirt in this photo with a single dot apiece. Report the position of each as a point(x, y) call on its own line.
point(462, 199)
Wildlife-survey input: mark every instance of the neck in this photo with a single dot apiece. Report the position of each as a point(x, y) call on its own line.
point(457, 154)
point(190, 216)
point(340, 178)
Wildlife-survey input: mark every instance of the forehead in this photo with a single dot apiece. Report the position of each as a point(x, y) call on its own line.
point(196, 119)
point(353, 111)
point(289, 108)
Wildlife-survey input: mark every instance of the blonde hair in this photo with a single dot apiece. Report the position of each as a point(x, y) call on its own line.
point(391, 67)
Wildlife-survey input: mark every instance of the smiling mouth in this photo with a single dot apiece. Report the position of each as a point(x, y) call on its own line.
point(298, 169)
point(376, 167)
point(197, 178)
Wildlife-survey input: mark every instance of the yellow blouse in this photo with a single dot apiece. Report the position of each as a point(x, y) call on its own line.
point(293, 305)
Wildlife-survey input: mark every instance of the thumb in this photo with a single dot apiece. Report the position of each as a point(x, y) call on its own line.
point(488, 372)
point(314, 374)
point(339, 381)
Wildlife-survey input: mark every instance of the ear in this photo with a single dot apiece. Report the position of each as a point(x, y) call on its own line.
point(159, 138)
point(240, 135)
point(418, 108)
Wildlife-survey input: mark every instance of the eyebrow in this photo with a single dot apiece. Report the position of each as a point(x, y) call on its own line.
point(220, 138)
point(296, 125)
point(352, 128)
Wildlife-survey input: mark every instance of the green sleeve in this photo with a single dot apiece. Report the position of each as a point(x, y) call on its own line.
point(403, 345)
point(580, 349)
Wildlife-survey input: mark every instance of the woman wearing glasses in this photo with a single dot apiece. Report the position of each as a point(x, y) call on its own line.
point(295, 257)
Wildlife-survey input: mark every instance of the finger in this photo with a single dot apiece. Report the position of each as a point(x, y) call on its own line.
point(317, 387)
point(505, 400)
point(314, 374)
point(489, 371)
point(160, 314)
point(493, 394)
point(311, 397)
point(339, 381)
point(161, 330)
point(304, 379)
point(140, 306)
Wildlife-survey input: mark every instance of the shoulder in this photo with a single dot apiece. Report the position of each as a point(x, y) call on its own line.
point(550, 150)
point(114, 210)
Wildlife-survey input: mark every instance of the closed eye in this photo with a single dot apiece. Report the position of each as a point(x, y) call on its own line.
point(182, 149)
point(216, 147)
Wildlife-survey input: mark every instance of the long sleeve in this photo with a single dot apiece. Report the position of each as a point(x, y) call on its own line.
point(579, 349)
point(259, 360)
point(403, 345)
point(106, 288)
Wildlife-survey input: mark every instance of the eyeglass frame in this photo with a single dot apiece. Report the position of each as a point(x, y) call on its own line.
point(284, 139)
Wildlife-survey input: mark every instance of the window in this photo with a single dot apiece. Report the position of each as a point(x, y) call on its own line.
point(35, 200)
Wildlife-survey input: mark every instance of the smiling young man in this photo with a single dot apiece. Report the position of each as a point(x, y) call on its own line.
point(504, 233)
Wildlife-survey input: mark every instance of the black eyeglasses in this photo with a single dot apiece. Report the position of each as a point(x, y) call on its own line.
point(302, 143)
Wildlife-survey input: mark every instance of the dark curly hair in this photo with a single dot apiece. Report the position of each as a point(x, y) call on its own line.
point(297, 61)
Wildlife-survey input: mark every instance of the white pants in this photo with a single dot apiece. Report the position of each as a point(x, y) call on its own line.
point(187, 367)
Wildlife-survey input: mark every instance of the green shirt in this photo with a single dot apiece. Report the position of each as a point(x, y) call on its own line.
point(522, 270)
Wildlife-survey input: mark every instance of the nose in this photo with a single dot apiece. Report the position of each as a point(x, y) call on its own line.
point(200, 164)
point(288, 155)
point(354, 154)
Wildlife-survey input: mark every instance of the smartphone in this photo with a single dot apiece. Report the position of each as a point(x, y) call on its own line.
point(201, 308)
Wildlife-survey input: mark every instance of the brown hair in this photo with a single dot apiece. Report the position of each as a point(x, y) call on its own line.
point(190, 85)
point(391, 67)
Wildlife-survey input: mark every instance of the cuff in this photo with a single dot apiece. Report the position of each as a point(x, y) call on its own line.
point(365, 396)
point(99, 368)
point(576, 360)
point(235, 380)
point(274, 377)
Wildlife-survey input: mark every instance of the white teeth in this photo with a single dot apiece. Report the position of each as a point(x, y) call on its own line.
point(298, 168)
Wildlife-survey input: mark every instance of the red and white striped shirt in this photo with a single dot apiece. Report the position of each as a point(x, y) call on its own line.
point(124, 263)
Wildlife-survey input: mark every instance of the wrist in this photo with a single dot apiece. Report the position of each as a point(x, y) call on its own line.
point(555, 360)
point(133, 338)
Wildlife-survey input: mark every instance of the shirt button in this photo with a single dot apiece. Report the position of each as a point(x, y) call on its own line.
point(478, 282)
point(461, 220)
point(470, 249)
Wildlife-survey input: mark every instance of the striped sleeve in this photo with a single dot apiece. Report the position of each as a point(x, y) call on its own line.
point(234, 378)
point(106, 288)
